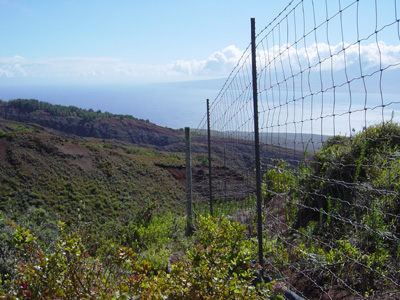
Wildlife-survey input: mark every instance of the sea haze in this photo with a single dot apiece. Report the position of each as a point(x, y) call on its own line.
point(183, 104)
point(172, 105)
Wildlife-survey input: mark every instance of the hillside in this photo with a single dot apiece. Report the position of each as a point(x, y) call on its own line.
point(126, 128)
point(331, 225)
point(97, 178)
point(88, 123)
point(74, 176)
point(80, 164)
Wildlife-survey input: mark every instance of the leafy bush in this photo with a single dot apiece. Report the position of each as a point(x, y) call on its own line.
point(279, 179)
point(2, 133)
point(217, 268)
point(345, 228)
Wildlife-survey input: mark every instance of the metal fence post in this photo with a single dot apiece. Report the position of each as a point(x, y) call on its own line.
point(188, 182)
point(256, 142)
point(209, 157)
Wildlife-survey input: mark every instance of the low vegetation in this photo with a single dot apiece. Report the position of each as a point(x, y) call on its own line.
point(95, 219)
point(87, 181)
point(342, 212)
point(215, 263)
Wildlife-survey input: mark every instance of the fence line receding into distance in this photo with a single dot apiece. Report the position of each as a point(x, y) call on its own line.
point(328, 109)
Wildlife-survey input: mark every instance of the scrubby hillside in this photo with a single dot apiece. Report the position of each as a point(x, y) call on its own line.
point(331, 224)
point(88, 123)
point(90, 178)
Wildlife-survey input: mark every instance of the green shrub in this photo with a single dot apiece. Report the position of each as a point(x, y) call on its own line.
point(216, 269)
point(2, 133)
point(277, 180)
point(344, 170)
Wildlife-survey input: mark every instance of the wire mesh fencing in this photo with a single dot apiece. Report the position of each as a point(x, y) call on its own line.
point(328, 107)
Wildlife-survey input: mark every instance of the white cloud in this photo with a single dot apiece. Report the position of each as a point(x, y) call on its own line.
point(114, 69)
point(337, 57)
point(67, 67)
point(218, 64)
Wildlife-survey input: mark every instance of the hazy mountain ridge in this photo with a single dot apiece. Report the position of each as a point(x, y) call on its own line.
point(106, 126)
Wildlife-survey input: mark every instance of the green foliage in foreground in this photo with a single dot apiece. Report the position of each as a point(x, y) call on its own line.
point(342, 213)
point(216, 267)
point(357, 181)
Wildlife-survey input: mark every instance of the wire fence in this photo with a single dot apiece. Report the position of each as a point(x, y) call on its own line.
point(328, 107)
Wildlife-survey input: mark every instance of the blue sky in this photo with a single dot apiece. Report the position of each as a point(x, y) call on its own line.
point(120, 56)
point(141, 37)
point(146, 32)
